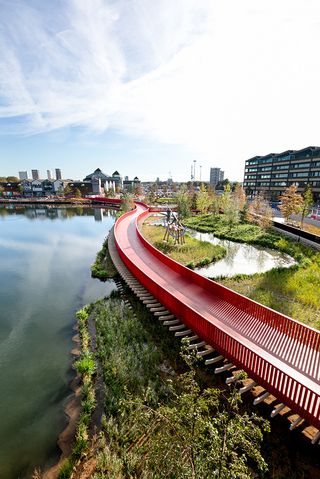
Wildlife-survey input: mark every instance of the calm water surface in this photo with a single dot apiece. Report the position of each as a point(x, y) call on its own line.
point(241, 258)
point(45, 258)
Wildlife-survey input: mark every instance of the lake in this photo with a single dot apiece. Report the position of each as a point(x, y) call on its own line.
point(45, 258)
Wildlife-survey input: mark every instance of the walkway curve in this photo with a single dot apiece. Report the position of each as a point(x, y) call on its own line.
point(279, 353)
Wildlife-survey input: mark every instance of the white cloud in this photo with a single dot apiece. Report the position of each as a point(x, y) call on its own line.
point(225, 79)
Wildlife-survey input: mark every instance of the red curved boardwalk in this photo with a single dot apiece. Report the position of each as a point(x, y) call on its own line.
point(279, 353)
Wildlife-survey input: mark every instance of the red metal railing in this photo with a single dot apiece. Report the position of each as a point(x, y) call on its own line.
point(281, 354)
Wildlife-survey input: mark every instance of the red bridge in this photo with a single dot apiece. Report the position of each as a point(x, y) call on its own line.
point(277, 352)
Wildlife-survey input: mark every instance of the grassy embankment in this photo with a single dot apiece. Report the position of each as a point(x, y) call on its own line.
point(103, 267)
point(292, 291)
point(146, 386)
point(85, 367)
point(145, 379)
point(192, 254)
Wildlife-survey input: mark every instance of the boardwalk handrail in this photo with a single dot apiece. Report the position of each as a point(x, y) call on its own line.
point(290, 375)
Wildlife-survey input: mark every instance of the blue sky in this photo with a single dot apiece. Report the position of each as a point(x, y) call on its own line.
point(147, 87)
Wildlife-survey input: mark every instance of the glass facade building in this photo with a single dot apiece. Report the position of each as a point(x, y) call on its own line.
point(273, 173)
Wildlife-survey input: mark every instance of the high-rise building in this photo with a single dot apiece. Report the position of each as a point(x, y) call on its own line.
point(216, 175)
point(271, 174)
point(58, 174)
point(35, 174)
point(49, 174)
point(23, 175)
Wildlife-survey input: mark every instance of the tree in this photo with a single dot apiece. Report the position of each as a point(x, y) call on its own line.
point(226, 197)
point(137, 191)
point(239, 197)
point(200, 433)
point(183, 200)
point(67, 190)
point(12, 179)
point(60, 191)
point(260, 212)
point(229, 207)
point(291, 202)
point(1, 190)
point(109, 192)
point(203, 200)
point(307, 203)
point(77, 193)
point(127, 202)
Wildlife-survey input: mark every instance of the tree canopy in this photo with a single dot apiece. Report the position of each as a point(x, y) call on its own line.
point(291, 202)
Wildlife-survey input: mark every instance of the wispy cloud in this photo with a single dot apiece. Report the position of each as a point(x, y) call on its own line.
point(207, 74)
point(80, 64)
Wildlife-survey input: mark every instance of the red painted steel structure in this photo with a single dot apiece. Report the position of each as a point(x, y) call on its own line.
point(106, 201)
point(279, 353)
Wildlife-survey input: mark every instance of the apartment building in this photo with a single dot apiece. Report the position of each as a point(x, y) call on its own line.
point(216, 175)
point(273, 173)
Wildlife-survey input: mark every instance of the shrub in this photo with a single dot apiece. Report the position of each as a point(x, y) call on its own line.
point(85, 365)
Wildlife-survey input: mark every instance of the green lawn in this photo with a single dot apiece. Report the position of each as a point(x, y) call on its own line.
point(192, 254)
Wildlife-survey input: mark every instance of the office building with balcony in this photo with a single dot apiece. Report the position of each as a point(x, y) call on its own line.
point(273, 173)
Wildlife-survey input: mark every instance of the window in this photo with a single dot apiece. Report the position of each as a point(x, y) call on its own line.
point(279, 175)
point(281, 167)
point(282, 158)
point(265, 160)
point(300, 165)
point(299, 175)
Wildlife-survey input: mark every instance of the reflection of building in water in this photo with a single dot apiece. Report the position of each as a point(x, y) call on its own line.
point(98, 214)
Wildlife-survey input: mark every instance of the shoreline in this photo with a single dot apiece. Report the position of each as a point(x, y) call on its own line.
point(72, 410)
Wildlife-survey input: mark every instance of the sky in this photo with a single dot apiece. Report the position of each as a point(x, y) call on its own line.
point(148, 87)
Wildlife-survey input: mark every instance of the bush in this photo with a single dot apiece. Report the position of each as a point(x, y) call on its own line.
point(85, 365)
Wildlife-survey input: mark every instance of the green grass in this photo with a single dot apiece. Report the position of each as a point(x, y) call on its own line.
point(166, 200)
point(293, 291)
point(130, 358)
point(193, 253)
point(241, 232)
point(103, 267)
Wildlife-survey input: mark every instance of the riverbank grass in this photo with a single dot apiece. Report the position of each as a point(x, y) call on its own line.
point(150, 403)
point(103, 267)
point(293, 291)
point(193, 253)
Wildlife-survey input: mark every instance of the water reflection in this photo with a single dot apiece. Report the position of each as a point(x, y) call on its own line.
point(45, 258)
point(53, 212)
point(241, 258)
